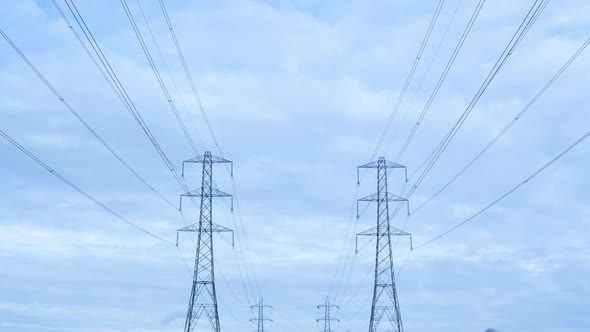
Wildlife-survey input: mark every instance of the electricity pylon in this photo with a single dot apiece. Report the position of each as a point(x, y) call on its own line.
point(260, 319)
point(203, 297)
point(385, 301)
point(327, 319)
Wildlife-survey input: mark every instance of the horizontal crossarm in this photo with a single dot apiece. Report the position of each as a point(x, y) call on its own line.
point(380, 163)
point(215, 228)
point(208, 157)
point(200, 192)
point(392, 232)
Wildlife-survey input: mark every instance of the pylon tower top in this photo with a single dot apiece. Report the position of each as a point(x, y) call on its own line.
point(380, 163)
point(207, 157)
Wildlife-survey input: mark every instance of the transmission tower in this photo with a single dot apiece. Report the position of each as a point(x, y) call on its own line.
point(327, 319)
point(260, 319)
point(203, 297)
point(385, 301)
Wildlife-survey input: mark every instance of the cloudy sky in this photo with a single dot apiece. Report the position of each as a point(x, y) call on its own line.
point(298, 94)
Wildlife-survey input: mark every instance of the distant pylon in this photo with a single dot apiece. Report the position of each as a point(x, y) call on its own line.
point(203, 296)
point(327, 319)
point(260, 319)
point(384, 304)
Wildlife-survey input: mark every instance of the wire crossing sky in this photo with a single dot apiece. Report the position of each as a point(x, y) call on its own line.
point(297, 94)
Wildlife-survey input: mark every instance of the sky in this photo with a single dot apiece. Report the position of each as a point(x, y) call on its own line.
point(298, 94)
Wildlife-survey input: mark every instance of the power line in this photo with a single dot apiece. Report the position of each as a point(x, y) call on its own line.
point(243, 280)
point(363, 174)
point(410, 75)
point(188, 269)
point(245, 256)
point(189, 76)
point(129, 104)
point(384, 134)
point(79, 190)
point(174, 85)
point(131, 107)
point(361, 307)
point(532, 15)
point(401, 269)
point(509, 192)
point(113, 80)
point(249, 296)
point(120, 94)
point(117, 86)
point(349, 278)
point(507, 127)
point(156, 72)
point(348, 224)
point(419, 88)
point(344, 274)
point(82, 120)
point(217, 266)
point(365, 276)
point(442, 78)
point(520, 33)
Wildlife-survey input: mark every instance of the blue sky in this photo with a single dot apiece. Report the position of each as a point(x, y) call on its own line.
point(298, 93)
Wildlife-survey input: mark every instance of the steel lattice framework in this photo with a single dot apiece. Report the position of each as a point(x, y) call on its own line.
point(327, 319)
point(260, 319)
point(203, 298)
point(385, 300)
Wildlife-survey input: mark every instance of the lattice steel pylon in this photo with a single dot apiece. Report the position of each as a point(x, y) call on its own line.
point(203, 298)
point(260, 319)
point(327, 319)
point(385, 300)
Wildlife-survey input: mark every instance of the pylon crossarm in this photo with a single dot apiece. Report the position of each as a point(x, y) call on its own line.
point(221, 229)
point(384, 164)
point(392, 232)
point(264, 319)
point(215, 228)
point(258, 306)
point(213, 159)
point(201, 192)
point(209, 158)
point(380, 163)
point(388, 197)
